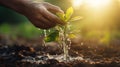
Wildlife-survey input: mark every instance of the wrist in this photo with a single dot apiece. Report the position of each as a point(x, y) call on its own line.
point(17, 5)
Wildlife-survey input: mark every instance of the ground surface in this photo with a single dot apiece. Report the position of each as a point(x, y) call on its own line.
point(20, 52)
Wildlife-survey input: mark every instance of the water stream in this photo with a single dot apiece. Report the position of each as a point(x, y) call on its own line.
point(63, 40)
point(65, 44)
point(44, 35)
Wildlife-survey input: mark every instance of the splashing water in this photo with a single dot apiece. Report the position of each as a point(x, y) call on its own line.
point(64, 31)
point(45, 32)
point(64, 41)
point(43, 59)
point(45, 35)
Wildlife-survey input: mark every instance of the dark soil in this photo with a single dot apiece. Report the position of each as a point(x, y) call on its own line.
point(14, 51)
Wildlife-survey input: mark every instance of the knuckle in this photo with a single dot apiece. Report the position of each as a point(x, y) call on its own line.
point(57, 7)
point(45, 3)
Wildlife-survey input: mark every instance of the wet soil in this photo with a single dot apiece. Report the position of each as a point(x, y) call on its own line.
point(21, 52)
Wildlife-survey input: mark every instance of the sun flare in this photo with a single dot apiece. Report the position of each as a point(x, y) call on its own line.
point(97, 3)
point(91, 3)
point(77, 3)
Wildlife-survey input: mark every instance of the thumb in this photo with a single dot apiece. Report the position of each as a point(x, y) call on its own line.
point(52, 8)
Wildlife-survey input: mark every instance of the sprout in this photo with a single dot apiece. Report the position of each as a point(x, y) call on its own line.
point(62, 33)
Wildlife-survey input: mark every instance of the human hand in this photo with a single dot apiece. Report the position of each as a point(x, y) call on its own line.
point(42, 15)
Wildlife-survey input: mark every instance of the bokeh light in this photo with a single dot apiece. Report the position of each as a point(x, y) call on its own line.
point(97, 3)
point(91, 3)
point(77, 3)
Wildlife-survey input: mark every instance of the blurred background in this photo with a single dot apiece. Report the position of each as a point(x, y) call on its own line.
point(101, 20)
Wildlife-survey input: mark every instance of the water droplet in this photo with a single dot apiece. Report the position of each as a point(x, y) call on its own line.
point(49, 30)
point(45, 33)
point(39, 29)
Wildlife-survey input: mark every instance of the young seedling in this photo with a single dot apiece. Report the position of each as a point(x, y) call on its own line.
point(62, 33)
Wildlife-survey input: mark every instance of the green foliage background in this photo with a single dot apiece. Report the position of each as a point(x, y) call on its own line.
point(14, 24)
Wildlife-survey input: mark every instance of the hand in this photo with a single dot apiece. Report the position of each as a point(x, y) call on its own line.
point(42, 15)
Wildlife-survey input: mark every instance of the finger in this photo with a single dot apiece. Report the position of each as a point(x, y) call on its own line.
point(51, 17)
point(46, 22)
point(37, 23)
point(41, 22)
point(52, 8)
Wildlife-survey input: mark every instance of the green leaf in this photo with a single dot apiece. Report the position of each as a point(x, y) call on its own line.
point(75, 18)
point(52, 36)
point(72, 36)
point(61, 16)
point(68, 14)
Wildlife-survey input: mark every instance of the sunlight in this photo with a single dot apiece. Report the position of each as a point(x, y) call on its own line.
point(97, 3)
point(91, 3)
point(77, 3)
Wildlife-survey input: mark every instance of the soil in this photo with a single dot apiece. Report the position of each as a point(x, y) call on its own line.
point(21, 52)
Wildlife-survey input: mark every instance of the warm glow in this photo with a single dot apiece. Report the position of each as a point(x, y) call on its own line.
point(77, 3)
point(97, 3)
point(91, 3)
